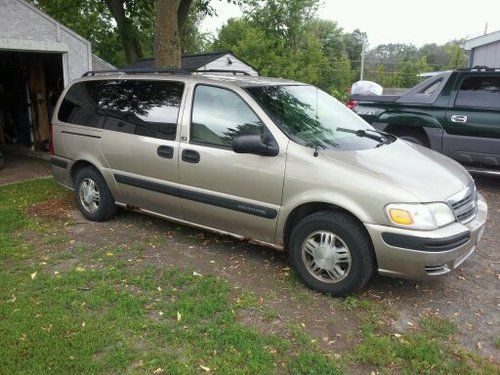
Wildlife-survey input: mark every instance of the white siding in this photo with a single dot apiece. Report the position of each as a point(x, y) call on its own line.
point(23, 27)
point(236, 64)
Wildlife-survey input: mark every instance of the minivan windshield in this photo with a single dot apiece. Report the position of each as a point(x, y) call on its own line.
point(315, 119)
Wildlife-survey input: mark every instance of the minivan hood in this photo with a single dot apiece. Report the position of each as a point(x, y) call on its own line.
point(426, 174)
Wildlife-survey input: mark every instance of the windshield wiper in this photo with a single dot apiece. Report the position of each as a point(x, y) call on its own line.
point(379, 136)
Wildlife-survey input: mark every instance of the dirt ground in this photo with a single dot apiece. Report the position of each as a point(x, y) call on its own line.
point(21, 167)
point(469, 296)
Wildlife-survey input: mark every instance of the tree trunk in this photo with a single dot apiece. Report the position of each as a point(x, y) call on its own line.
point(128, 34)
point(170, 18)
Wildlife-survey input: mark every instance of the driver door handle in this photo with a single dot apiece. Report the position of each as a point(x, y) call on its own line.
point(166, 152)
point(461, 119)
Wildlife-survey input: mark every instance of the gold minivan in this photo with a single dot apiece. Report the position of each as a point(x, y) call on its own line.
point(272, 161)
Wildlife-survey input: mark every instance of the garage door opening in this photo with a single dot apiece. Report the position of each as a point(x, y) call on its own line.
point(30, 84)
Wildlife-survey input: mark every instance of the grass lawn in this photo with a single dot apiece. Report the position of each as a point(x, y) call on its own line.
point(101, 313)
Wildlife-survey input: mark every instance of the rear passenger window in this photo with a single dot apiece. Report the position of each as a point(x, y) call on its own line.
point(79, 107)
point(219, 115)
point(479, 91)
point(147, 108)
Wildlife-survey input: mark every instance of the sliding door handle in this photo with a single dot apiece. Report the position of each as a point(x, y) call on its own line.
point(190, 156)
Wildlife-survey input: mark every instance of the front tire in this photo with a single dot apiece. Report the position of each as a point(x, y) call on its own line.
point(332, 253)
point(92, 195)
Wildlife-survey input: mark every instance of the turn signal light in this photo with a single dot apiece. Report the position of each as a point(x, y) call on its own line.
point(401, 217)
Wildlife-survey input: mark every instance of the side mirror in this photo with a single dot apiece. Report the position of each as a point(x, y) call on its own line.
point(253, 144)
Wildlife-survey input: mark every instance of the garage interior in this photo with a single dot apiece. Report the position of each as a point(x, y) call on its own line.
point(30, 84)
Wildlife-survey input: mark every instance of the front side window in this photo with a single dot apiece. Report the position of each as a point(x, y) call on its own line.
point(479, 91)
point(220, 115)
point(147, 108)
point(313, 118)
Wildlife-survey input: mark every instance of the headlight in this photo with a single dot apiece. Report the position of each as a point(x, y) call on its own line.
point(420, 216)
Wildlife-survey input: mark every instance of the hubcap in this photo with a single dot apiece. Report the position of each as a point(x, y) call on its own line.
point(326, 256)
point(89, 195)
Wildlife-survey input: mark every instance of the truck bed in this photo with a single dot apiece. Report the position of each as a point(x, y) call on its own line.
point(375, 98)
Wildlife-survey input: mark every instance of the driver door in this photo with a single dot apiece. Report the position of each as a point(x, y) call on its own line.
point(221, 189)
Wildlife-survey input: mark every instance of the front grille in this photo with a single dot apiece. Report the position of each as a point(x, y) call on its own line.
point(464, 204)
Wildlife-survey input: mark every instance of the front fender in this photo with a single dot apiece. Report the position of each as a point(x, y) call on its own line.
point(320, 197)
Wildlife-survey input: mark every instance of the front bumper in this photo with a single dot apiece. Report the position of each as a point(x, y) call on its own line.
point(420, 255)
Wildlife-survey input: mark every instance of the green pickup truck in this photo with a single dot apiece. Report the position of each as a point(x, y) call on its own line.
point(456, 113)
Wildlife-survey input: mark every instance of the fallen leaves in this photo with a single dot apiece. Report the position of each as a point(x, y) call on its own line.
point(179, 316)
point(33, 275)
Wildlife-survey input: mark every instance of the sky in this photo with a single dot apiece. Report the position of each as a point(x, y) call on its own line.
point(392, 21)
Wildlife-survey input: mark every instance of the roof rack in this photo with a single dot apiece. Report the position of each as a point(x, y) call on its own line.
point(92, 73)
point(479, 68)
point(233, 72)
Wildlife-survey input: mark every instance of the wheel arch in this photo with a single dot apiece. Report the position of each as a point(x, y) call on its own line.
point(79, 164)
point(307, 208)
point(87, 162)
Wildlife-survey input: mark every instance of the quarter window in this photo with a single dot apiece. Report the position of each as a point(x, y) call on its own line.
point(220, 115)
point(479, 91)
point(147, 108)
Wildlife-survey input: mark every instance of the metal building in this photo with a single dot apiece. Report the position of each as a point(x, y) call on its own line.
point(484, 50)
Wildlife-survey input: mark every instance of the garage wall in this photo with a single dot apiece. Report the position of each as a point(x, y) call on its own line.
point(23, 27)
point(487, 55)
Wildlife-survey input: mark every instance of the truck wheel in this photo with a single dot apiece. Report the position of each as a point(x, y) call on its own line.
point(92, 195)
point(331, 253)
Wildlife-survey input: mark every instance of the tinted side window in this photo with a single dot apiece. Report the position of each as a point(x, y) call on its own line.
point(79, 107)
point(479, 91)
point(219, 115)
point(148, 108)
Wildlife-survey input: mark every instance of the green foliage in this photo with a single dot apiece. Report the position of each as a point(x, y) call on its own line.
point(285, 39)
point(93, 20)
point(455, 56)
point(438, 327)
point(398, 65)
point(282, 38)
point(313, 364)
point(428, 351)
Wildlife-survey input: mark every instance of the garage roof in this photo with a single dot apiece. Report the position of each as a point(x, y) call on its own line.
point(188, 62)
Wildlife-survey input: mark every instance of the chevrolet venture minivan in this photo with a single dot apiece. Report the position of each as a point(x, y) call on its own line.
point(271, 161)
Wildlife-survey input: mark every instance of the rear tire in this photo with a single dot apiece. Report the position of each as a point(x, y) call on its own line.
point(332, 253)
point(92, 195)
